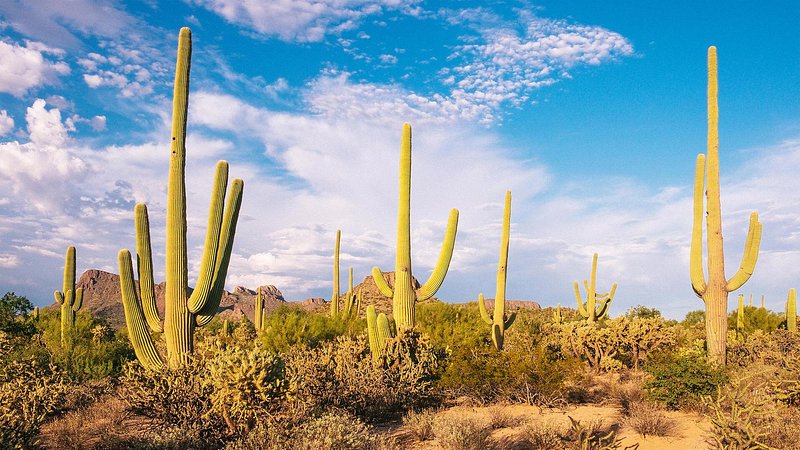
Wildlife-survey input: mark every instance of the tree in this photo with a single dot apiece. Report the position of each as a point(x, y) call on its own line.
point(14, 311)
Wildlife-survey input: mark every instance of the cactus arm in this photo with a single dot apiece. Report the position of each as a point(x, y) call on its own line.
point(144, 257)
point(134, 316)
point(445, 255)
point(383, 286)
point(482, 308)
point(335, 294)
point(510, 321)
point(258, 309)
point(384, 332)
point(78, 301)
point(749, 257)
point(497, 336)
point(372, 332)
point(696, 253)
point(59, 297)
point(232, 208)
point(740, 315)
point(202, 290)
point(603, 309)
point(581, 308)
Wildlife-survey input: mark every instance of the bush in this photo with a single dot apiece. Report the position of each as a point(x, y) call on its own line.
point(680, 379)
point(420, 424)
point(288, 326)
point(458, 432)
point(648, 419)
point(337, 430)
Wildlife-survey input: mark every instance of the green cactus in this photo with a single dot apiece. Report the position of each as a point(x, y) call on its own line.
point(226, 328)
point(402, 293)
point(335, 295)
point(740, 317)
point(499, 322)
point(714, 292)
point(590, 309)
point(791, 311)
point(762, 302)
point(260, 314)
point(378, 331)
point(182, 312)
point(557, 318)
point(352, 299)
point(35, 313)
point(70, 299)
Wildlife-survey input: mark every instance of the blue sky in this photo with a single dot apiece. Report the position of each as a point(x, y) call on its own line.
point(591, 113)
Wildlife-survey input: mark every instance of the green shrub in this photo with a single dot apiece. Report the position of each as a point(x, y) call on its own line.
point(15, 315)
point(287, 326)
point(680, 379)
point(452, 326)
point(756, 319)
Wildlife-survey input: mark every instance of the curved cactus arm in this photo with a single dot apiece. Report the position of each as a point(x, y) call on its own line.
point(78, 301)
point(749, 257)
point(144, 265)
point(59, 297)
point(603, 309)
point(384, 331)
point(232, 208)
point(372, 332)
point(445, 255)
point(510, 321)
point(482, 308)
point(696, 253)
point(582, 310)
point(383, 286)
point(200, 295)
point(134, 316)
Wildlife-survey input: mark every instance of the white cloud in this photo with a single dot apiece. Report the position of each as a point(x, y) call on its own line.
point(8, 261)
point(300, 20)
point(6, 123)
point(23, 68)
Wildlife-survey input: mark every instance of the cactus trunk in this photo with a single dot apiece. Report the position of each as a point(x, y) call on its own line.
point(591, 310)
point(335, 295)
point(714, 291)
point(402, 293)
point(791, 311)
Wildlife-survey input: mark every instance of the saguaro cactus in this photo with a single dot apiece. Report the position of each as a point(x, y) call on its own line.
point(335, 295)
point(714, 292)
point(260, 313)
point(557, 317)
point(791, 311)
point(740, 317)
point(402, 293)
point(351, 299)
point(499, 321)
point(35, 313)
point(70, 299)
point(182, 312)
point(378, 332)
point(591, 310)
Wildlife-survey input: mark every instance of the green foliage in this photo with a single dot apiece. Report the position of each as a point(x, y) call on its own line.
point(451, 326)
point(696, 317)
point(15, 315)
point(342, 374)
point(756, 319)
point(643, 312)
point(287, 326)
point(680, 379)
point(30, 392)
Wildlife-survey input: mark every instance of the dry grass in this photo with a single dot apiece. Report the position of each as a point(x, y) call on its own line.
point(460, 432)
point(648, 419)
point(502, 417)
point(104, 424)
point(419, 425)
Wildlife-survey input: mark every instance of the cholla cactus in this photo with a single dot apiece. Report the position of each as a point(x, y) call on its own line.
point(590, 309)
point(182, 312)
point(100, 333)
point(402, 293)
point(714, 291)
point(70, 299)
point(499, 321)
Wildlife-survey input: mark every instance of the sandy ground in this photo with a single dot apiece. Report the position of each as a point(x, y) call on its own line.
point(691, 431)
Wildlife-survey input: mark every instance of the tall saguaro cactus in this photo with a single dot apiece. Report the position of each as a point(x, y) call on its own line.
point(714, 291)
point(791, 311)
point(335, 295)
point(70, 299)
point(590, 309)
point(499, 322)
point(182, 312)
point(260, 313)
point(402, 293)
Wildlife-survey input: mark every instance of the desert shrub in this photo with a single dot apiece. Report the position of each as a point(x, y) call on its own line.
point(287, 326)
point(640, 337)
point(342, 374)
point(420, 424)
point(643, 312)
point(461, 432)
point(680, 379)
point(29, 394)
point(542, 436)
point(648, 419)
point(335, 429)
point(502, 417)
point(778, 348)
point(15, 315)
point(177, 398)
point(452, 326)
point(756, 319)
point(247, 384)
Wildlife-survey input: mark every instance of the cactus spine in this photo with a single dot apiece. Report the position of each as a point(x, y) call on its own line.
point(70, 299)
point(591, 310)
point(335, 295)
point(402, 293)
point(499, 322)
point(791, 311)
point(182, 312)
point(714, 291)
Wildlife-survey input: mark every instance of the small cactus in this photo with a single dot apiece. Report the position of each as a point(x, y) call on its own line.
point(557, 318)
point(226, 328)
point(791, 311)
point(35, 313)
point(70, 299)
point(590, 309)
point(335, 295)
point(378, 331)
point(740, 316)
point(260, 314)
